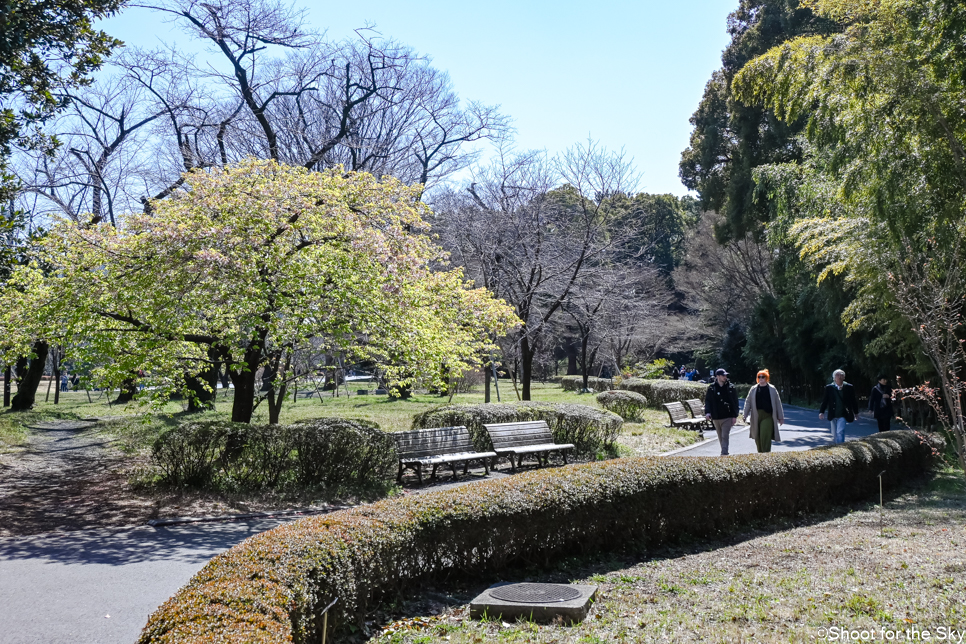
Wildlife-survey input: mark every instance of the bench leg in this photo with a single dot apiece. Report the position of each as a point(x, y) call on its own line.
point(564, 454)
point(453, 467)
point(486, 465)
point(433, 475)
point(539, 460)
point(466, 468)
point(419, 472)
point(399, 475)
point(513, 467)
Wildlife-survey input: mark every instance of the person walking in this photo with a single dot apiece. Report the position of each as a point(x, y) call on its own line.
point(841, 405)
point(721, 407)
point(880, 403)
point(764, 408)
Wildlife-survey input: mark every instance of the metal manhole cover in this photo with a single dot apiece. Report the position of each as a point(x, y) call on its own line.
point(535, 593)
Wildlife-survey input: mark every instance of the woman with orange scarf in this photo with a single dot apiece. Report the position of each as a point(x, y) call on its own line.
point(764, 407)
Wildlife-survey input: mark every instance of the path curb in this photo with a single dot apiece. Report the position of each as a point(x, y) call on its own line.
point(160, 523)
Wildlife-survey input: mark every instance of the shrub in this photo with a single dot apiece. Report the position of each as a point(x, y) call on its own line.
point(626, 404)
point(659, 392)
point(332, 451)
point(326, 452)
point(588, 428)
point(576, 383)
point(269, 587)
point(187, 454)
point(656, 370)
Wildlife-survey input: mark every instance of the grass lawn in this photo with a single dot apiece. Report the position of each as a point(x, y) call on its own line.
point(785, 582)
point(137, 425)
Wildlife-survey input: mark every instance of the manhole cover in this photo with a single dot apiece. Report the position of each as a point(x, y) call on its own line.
point(535, 593)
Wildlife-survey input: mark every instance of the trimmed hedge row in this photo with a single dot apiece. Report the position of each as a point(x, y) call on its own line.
point(659, 392)
point(626, 404)
point(325, 452)
point(588, 428)
point(269, 587)
point(576, 383)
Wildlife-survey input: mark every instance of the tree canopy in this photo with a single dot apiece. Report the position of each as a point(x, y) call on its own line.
point(255, 260)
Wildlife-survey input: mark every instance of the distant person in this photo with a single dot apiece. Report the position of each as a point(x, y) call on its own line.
point(880, 403)
point(763, 407)
point(675, 373)
point(721, 407)
point(841, 405)
point(694, 375)
point(64, 381)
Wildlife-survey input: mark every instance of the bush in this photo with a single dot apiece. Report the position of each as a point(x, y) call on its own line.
point(659, 392)
point(626, 404)
point(576, 383)
point(269, 587)
point(332, 452)
point(327, 452)
point(589, 429)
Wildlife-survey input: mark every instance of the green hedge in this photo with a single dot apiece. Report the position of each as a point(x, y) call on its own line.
point(269, 587)
point(576, 383)
point(588, 428)
point(626, 404)
point(328, 452)
point(659, 392)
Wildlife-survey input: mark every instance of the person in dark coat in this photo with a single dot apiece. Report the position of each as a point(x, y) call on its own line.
point(721, 407)
point(841, 404)
point(880, 403)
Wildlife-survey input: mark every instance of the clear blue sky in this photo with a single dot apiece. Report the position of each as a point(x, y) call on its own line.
point(625, 73)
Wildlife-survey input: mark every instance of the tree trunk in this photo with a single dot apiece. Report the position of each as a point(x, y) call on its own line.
point(584, 367)
point(55, 359)
point(275, 400)
point(245, 383)
point(28, 377)
point(486, 379)
point(129, 389)
point(200, 398)
point(571, 359)
point(7, 375)
point(526, 366)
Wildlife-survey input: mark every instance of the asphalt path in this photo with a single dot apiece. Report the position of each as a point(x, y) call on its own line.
point(100, 586)
point(802, 430)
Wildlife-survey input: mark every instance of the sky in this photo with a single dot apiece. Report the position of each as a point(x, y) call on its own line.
point(627, 74)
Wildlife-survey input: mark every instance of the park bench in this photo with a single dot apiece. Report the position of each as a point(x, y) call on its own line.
point(680, 418)
point(696, 407)
point(532, 438)
point(435, 447)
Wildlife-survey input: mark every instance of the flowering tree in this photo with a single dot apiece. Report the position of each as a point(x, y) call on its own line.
point(253, 261)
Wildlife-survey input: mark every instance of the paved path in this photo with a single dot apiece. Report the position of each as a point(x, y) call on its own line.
point(802, 430)
point(89, 586)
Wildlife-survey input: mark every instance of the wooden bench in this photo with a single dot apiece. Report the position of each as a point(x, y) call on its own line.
point(525, 439)
point(680, 417)
point(696, 407)
point(437, 446)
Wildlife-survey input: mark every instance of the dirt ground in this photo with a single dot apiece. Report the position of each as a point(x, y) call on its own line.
point(67, 475)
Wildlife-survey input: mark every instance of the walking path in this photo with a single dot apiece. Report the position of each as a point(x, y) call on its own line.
point(100, 585)
point(802, 430)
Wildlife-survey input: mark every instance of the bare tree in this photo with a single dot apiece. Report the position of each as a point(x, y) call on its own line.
point(530, 228)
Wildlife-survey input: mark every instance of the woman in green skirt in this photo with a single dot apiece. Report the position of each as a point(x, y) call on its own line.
point(764, 408)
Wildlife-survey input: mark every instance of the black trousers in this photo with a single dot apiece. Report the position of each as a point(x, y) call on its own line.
point(883, 424)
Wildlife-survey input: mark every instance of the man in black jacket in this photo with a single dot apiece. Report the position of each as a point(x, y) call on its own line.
point(841, 404)
point(721, 407)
